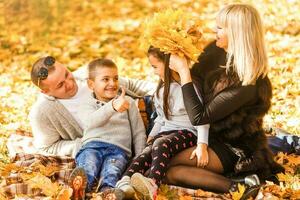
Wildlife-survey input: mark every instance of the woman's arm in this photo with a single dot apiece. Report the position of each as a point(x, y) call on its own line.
point(221, 106)
point(210, 59)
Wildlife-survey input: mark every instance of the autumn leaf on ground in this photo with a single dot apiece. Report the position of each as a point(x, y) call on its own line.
point(237, 195)
point(2, 196)
point(42, 182)
point(64, 194)
point(186, 198)
point(165, 192)
point(46, 171)
point(6, 169)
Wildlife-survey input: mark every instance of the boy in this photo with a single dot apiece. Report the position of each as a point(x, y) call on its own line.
point(112, 125)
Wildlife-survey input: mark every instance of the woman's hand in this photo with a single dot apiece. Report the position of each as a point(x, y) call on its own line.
point(181, 65)
point(202, 155)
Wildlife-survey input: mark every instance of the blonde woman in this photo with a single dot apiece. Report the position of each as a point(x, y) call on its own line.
point(236, 94)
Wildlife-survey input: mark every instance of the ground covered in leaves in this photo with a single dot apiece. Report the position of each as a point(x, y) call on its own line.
point(77, 31)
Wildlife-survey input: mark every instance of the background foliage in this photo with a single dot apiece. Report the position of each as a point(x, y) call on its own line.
point(77, 31)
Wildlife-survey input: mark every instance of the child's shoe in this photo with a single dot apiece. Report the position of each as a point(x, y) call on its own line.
point(113, 193)
point(124, 185)
point(144, 186)
point(77, 181)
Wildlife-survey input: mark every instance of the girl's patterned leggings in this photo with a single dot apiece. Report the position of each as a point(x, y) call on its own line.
point(158, 153)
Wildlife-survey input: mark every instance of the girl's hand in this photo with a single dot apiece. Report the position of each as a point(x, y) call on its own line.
point(202, 155)
point(181, 65)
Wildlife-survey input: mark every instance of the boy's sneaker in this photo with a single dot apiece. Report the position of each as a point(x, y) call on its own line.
point(113, 193)
point(77, 181)
point(124, 185)
point(144, 186)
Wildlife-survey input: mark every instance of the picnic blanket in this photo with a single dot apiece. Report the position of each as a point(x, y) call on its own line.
point(23, 165)
point(26, 163)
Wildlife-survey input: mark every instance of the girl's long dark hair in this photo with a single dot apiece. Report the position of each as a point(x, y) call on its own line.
point(165, 58)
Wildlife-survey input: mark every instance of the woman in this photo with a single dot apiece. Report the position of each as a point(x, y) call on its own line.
point(235, 99)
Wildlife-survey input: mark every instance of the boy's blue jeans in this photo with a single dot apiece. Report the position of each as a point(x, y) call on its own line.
point(102, 161)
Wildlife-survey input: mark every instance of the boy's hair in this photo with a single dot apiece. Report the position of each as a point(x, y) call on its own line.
point(165, 58)
point(99, 63)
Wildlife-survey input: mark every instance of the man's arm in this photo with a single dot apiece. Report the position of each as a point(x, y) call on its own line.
point(138, 87)
point(47, 138)
point(135, 87)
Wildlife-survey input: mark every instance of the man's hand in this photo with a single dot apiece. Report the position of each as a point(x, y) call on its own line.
point(202, 155)
point(121, 104)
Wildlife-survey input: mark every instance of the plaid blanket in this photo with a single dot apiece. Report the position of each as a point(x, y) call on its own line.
point(14, 184)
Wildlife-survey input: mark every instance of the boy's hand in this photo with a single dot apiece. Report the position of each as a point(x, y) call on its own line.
point(202, 155)
point(149, 139)
point(121, 104)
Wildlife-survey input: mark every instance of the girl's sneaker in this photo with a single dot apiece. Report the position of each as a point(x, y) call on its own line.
point(144, 186)
point(124, 185)
point(77, 181)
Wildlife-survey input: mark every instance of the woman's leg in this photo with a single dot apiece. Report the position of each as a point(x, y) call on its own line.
point(184, 172)
point(183, 158)
point(194, 177)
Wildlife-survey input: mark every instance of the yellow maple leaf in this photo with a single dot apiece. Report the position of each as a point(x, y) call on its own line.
point(42, 182)
point(65, 194)
point(284, 177)
point(237, 195)
point(6, 169)
point(185, 197)
point(45, 170)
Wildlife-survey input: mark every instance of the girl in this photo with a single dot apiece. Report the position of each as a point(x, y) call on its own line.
point(237, 97)
point(172, 133)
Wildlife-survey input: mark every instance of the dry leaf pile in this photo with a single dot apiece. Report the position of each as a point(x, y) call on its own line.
point(175, 32)
point(40, 180)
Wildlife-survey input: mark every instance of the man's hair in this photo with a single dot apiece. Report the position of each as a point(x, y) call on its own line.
point(36, 67)
point(99, 63)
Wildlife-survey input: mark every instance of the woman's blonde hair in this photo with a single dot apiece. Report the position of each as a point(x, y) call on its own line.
point(246, 51)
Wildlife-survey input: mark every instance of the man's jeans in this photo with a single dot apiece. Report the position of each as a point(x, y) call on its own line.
point(102, 160)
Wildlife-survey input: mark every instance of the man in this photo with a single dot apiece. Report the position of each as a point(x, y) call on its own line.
point(56, 127)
